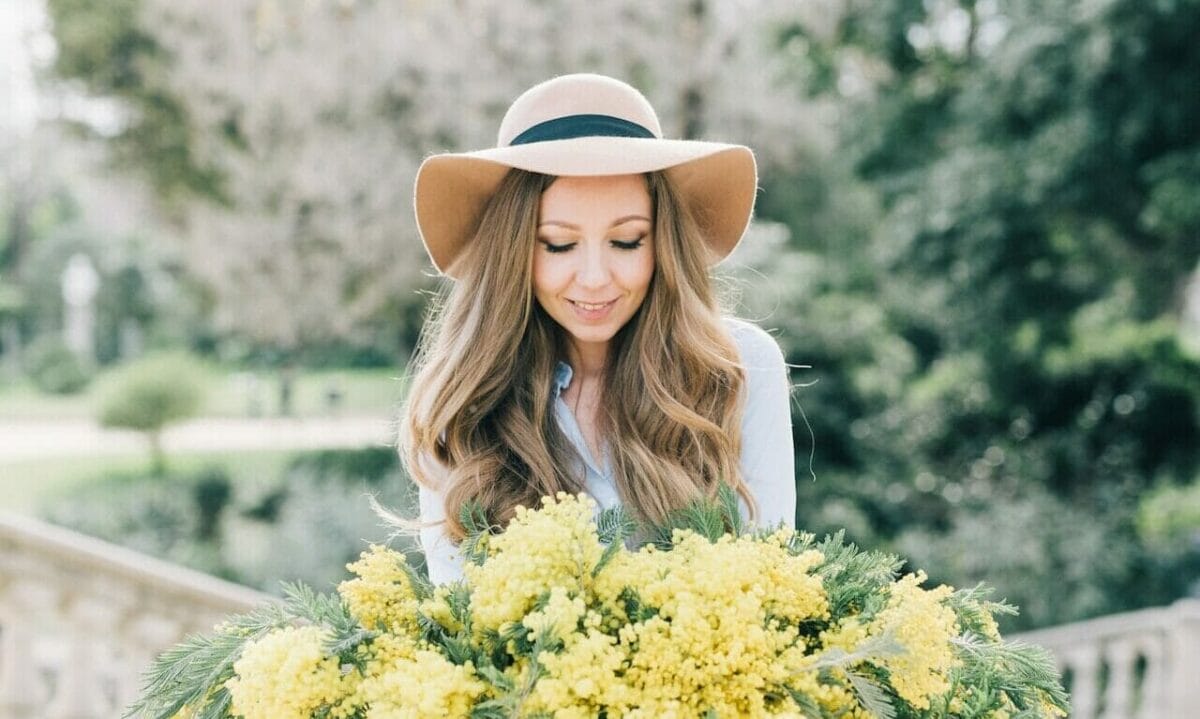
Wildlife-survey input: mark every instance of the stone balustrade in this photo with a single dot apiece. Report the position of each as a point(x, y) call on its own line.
point(81, 619)
point(1136, 665)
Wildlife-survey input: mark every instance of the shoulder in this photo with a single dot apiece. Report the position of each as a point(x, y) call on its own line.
point(757, 348)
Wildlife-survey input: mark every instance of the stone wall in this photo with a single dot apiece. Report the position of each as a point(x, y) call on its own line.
point(1137, 665)
point(81, 619)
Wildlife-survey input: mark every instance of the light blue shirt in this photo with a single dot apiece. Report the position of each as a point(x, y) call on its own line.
point(767, 461)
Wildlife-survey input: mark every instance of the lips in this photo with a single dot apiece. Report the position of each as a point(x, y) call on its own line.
point(592, 306)
point(592, 312)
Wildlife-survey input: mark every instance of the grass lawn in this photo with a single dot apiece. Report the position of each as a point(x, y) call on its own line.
point(25, 486)
point(363, 392)
point(232, 393)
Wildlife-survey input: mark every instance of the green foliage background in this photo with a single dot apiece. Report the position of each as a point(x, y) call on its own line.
point(1001, 376)
point(299, 523)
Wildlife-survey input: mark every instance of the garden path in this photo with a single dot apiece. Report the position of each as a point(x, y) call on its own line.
point(23, 440)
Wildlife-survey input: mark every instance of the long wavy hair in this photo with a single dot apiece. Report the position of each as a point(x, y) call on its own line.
point(480, 398)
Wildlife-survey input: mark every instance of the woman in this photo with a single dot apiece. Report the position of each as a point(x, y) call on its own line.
point(581, 348)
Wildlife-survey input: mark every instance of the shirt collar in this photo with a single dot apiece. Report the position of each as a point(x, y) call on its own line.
point(562, 376)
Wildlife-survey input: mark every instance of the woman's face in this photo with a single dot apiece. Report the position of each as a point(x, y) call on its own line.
point(595, 254)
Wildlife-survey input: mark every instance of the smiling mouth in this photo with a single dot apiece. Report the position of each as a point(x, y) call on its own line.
point(591, 306)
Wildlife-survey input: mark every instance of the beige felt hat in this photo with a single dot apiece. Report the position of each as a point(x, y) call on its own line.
point(583, 124)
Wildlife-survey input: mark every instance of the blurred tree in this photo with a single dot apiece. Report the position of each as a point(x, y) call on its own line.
point(1020, 328)
point(106, 46)
point(126, 309)
point(283, 138)
point(151, 393)
point(54, 368)
point(55, 203)
point(32, 206)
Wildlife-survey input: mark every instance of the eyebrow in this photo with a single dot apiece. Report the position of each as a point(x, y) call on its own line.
point(572, 226)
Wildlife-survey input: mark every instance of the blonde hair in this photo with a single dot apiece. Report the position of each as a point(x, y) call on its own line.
point(480, 399)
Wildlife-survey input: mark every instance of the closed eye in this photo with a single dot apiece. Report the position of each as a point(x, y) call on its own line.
point(551, 247)
point(629, 244)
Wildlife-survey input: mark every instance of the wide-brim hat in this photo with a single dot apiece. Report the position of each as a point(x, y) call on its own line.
point(583, 125)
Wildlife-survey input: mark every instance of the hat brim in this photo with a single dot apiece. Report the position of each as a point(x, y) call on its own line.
point(718, 181)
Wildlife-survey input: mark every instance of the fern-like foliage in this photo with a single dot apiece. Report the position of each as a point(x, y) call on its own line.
point(731, 510)
point(460, 603)
point(854, 578)
point(613, 526)
point(808, 706)
point(192, 673)
point(475, 522)
point(421, 586)
point(974, 608)
point(490, 709)
point(300, 602)
point(702, 516)
point(870, 650)
point(1026, 674)
point(711, 518)
point(456, 645)
point(874, 698)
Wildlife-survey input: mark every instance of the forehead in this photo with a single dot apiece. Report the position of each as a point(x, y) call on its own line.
point(595, 198)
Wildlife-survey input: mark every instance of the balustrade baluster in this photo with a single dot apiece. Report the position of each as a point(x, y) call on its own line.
point(1120, 654)
point(121, 609)
point(1167, 639)
point(1084, 662)
point(1184, 652)
point(92, 622)
point(18, 677)
point(21, 689)
point(1153, 694)
point(147, 636)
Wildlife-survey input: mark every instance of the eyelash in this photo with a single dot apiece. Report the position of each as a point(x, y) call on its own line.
point(631, 245)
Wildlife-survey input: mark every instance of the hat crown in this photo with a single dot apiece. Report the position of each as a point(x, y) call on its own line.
point(577, 94)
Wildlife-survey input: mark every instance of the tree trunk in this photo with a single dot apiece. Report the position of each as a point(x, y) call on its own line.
point(692, 102)
point(158, 459)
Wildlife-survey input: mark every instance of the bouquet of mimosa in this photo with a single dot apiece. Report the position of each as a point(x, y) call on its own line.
point(557, 617)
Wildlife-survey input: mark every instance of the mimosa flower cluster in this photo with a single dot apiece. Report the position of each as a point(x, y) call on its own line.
point(556, 617)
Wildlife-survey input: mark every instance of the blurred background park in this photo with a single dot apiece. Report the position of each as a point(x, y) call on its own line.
point(977, 237)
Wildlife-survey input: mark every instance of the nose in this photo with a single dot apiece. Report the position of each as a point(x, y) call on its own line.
point(593, 272)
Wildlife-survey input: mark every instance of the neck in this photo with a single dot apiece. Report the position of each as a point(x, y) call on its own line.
point(587, 359)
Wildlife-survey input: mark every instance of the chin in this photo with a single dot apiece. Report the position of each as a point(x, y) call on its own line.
point(592, 335)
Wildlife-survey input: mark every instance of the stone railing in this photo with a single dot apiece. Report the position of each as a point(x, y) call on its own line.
point(1137, 665)
point(81, 619)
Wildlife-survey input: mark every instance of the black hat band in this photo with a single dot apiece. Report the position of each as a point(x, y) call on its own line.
point(572, 126)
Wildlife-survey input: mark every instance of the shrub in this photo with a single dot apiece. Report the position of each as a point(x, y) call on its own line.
point(304, 523)
point(151, 393)
point(1061, 561)
point(152, 514)
point(211, 493)
point(54, 368)
point(371, 465)
point(1169, 517)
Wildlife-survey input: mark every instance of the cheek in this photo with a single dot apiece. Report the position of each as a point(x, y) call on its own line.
point(549, 274)
point(638, 271)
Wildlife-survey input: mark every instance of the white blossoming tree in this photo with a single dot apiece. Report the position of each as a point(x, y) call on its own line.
point(283, 137)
